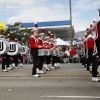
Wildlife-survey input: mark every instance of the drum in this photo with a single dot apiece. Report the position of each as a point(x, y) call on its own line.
point(4, 46)
point(24, 50)
point(54, 53)
point(41, 52)
point(14, 48)
point(48, 52)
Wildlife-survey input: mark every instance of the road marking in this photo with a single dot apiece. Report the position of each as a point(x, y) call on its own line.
point(86, 97)
point(51, 75)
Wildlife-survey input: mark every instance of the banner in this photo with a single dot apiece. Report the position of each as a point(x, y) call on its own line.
point(3, 25)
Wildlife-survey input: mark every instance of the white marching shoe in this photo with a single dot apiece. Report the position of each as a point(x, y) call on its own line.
point(13, 65)
point(5, 70)
point(55, 65)
point(21, 64)
point(95, 79)
point(42, 72)
point(37, 71)
point(47, 69)
point(9, 68)
point(58, 65)
point(36, 75)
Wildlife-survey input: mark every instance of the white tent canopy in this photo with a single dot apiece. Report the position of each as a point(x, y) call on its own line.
point(61, 42)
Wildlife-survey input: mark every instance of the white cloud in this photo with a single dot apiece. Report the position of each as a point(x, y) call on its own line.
point(80, 25)
point(43, 13)
point(39, 11)
point(87, 4)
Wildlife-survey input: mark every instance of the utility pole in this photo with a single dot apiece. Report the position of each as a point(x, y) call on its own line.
point(99, 12)
point(71, 36)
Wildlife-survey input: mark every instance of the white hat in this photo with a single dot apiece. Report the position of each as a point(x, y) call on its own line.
point(54, 40)
point(47, 37)
point(94, 20)
point(41, 34)
point(34, 29)
point(51, 39)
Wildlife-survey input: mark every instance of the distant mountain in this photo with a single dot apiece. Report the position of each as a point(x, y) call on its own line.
point(79, 34)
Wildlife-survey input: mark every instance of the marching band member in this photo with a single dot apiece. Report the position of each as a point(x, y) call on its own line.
point(47, 57)
point(96, 32)
point(34, 50)
point(40, 58)
point(4, 56)
point(15, 58)
point(84, 50)
point(8, 56)
point(58, 57)
point(92, 53)
point(54, 57)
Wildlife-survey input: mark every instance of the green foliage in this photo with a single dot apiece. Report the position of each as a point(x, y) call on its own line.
point(15, 32)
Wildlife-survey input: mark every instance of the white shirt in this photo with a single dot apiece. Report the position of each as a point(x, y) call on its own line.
point(67, 52)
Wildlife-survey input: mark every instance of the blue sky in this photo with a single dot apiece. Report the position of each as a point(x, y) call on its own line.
point(83, 11)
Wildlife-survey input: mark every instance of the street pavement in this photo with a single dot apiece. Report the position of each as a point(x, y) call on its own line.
point(70, 82)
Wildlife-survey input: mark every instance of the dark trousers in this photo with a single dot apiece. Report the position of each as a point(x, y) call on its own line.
point(58, 60)
point(34, 53)
point(15, 60)
point(88, 63)
point(83, 60)
point(8, 61)
point(98, 47)
point(3, 61)
point(94, 61)
point(48, 59)
point(54, 60)
point(20, 58)
point(40, 62)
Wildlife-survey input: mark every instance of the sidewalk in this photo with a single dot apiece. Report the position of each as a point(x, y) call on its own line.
point(66, 70)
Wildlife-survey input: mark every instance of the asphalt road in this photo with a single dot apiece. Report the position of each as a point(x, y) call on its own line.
point(70, 82)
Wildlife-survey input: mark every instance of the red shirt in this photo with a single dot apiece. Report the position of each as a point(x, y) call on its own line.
point(90, 43)
point(40, 42)
point(33, 42)
point(73, 51)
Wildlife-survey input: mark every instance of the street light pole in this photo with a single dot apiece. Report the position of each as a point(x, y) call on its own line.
point(71, 37)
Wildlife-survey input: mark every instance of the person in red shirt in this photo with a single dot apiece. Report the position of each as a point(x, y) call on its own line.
point(34, 50)
point(92, 54)
point(54, 56)
point(47, 57)
point(84, 60)
point(40, 58)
